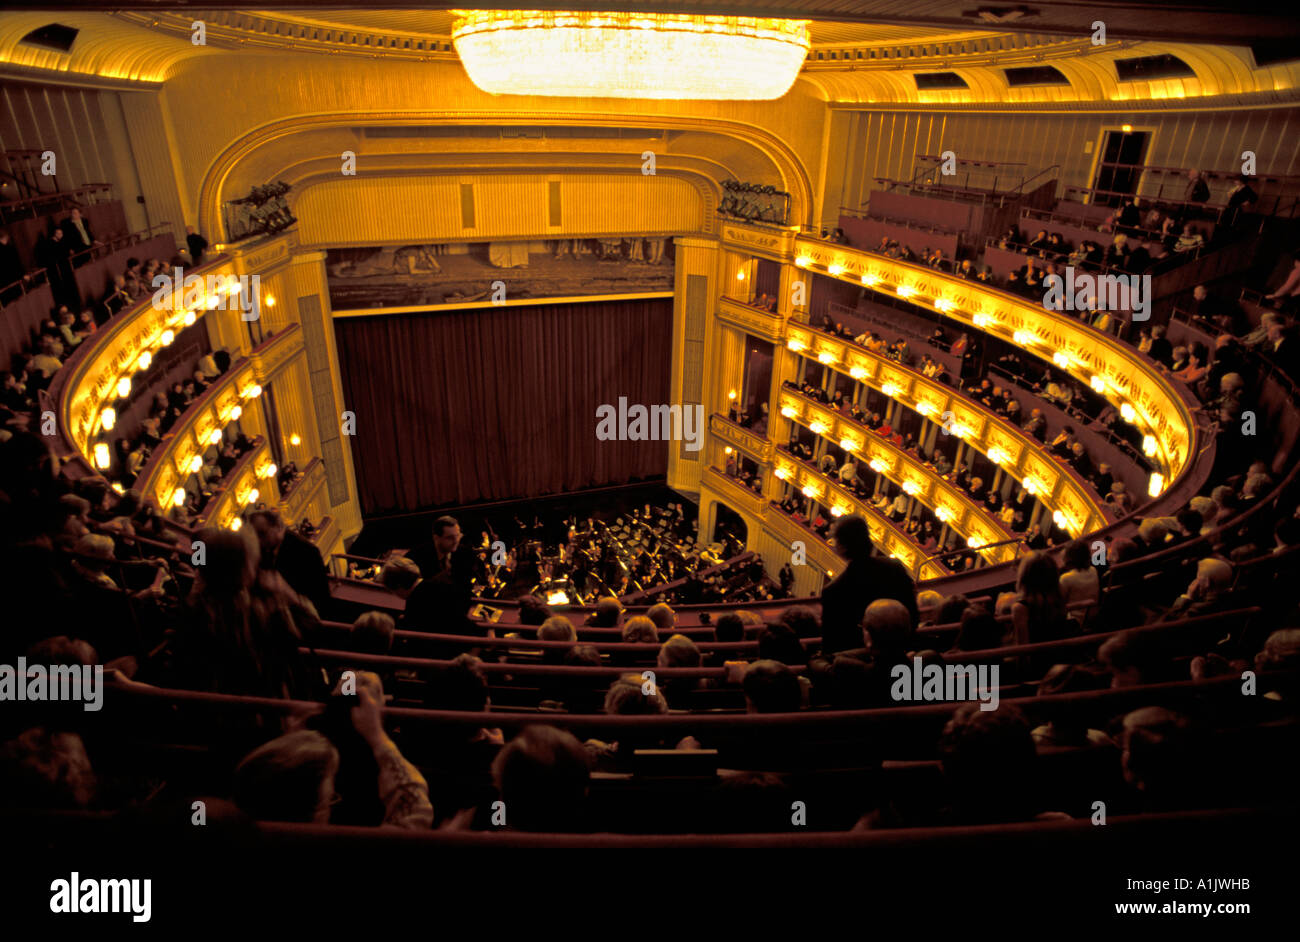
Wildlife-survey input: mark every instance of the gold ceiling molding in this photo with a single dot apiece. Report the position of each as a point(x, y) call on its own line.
point(792, 175)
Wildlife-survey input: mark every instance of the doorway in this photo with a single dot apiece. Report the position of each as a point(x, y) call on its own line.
point(1123, 157)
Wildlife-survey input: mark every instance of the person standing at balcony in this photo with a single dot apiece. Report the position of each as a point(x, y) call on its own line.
point(12, 270)
point(196, 244)
point(53, 253)
point(294, 558)
point(865, 580)
point(78, 233)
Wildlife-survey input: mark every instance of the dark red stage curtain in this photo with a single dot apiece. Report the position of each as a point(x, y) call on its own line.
point(499, 403)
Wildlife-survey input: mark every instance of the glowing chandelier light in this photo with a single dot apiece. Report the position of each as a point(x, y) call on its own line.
point(630, 55)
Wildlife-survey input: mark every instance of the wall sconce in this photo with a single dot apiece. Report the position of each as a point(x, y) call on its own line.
point(1061, 359)
point(143, 362)
point(1149, 446)
point(837, 511)
point(878, 466)
point(795, 344)
point(108, 418)
point(781, 474)
point(190, 318)
point(905, 291)
point(728, 450)
point(1098, 384)
point(789, 412)
point(124, 387)
point(943, 305)
point(944, 514)
point(870, 280)
point(890, 389)
point(818, 428)
point(982, 320)
point(236, 523)
point(826, 357)
point(214, 437)
point(1023, 337)
point(810, 490)
point(803, 261)
point(167, 337)
point(998, 456)
point(848, 444)
point(178, 497)
point(103, 458)
point(1127, 412)
point(252, 392)
point(194, 464)
point(858, 372)
point(295, 439)
point(911, 488)
point(974, 541)
point(834, 269)
point(1156, 486)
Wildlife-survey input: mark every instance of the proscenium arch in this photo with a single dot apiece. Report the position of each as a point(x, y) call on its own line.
point(794, 176)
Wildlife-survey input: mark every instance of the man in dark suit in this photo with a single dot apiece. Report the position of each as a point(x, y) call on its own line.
point(293, 557)
point(52, 253)
point(196, 244)
point(865, 580)
point(447, 568)
point(77, 230)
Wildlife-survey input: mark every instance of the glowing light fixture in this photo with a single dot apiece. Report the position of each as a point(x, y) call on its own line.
point(107, 419)
point(252, 392)
point(904, 291)
point(1127, 412)
point(803, 261)
point(629, 55)
point(103, 458)
point(252, 496)
point(858, 372)
point(295, 439)
point(1061, 359)
point(190, 318)
point(728, 450)
point(926, 408)
point(890, 389)
point(178, 497)
point(810, 490)
point(870, 280)
point(1098, 384)
point(214, 437)
point(943, 513)
point(117, 488)
point(834, 269)
point(974, 541)
point(123, 387)
point(944, 305)
point(558, 597)
point(1033, 487)
point(167, 337)
point(1058, 518)
point(234, 414)
point(998, 455)
point(1156, 486)
point(143, 362)
point(731, 395)
point(848, 444)
point(911, 487)
point(781, 474)
point(818, 428)
point(789, 412)
point(877, 465)
point(982, 320)
point(795, 344)
point(740, 276)
point(837, 511)
point(826, 357)
point(236, 523)
point(1149, 445)
point(1023, 337)
point(194, 464)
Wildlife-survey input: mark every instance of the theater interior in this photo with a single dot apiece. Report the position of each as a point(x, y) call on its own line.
point(857, 431)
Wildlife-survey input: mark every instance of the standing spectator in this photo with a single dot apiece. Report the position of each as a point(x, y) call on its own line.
point(293, 557)
point(865, 580)
point(197, 245)
point(12, 270)
point(78, 233)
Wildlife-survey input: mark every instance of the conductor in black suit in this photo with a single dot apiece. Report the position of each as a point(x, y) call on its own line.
point(864, 581)
point(293, 557)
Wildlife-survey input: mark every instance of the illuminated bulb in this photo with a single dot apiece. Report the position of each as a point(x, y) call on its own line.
point(818, 428)
point(1156, 486)
point(926, 408)
point(789, 412)
point(961, 431)
point(1127, 412)
point(236, 524)
point(1149, 445)
point(848, 444)
point(1031, 486)
point(974, 542)
point(252, 496)
point(998, 456)
point(214, 437)
point(795, 344)
point(1058, 518)
point(837, 511)
point(870, 280)
point(731, 395)
point(834, 269)
point(740, 276)
point(781, 473)
point(190, 318)
point(167, 337)
point(195, 463)
point(252, 392)
point(944, 305)
point(145, 359)
point(911, 487)
point(858, 372)
point(1098, 384)
point(943, 513)
point(1061, 359)
point(727, 450)
point(803, 261)
point(982, 320)
point(890, 390)
point(124, 387)
point(234, 414)
point(213, 302)
point(810, 490)
point(826, 357)
point(178, 497)
point(117, 488)
point(295, 439)
point(270, 300)
point(102, 456)
point(904, 291)
point(1023, 337)
point(877, 465)
point(108, 418)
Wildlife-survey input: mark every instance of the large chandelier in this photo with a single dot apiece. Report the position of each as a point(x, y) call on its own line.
point(630, 55)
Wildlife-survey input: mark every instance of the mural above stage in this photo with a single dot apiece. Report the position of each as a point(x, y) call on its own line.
point(462, 273)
